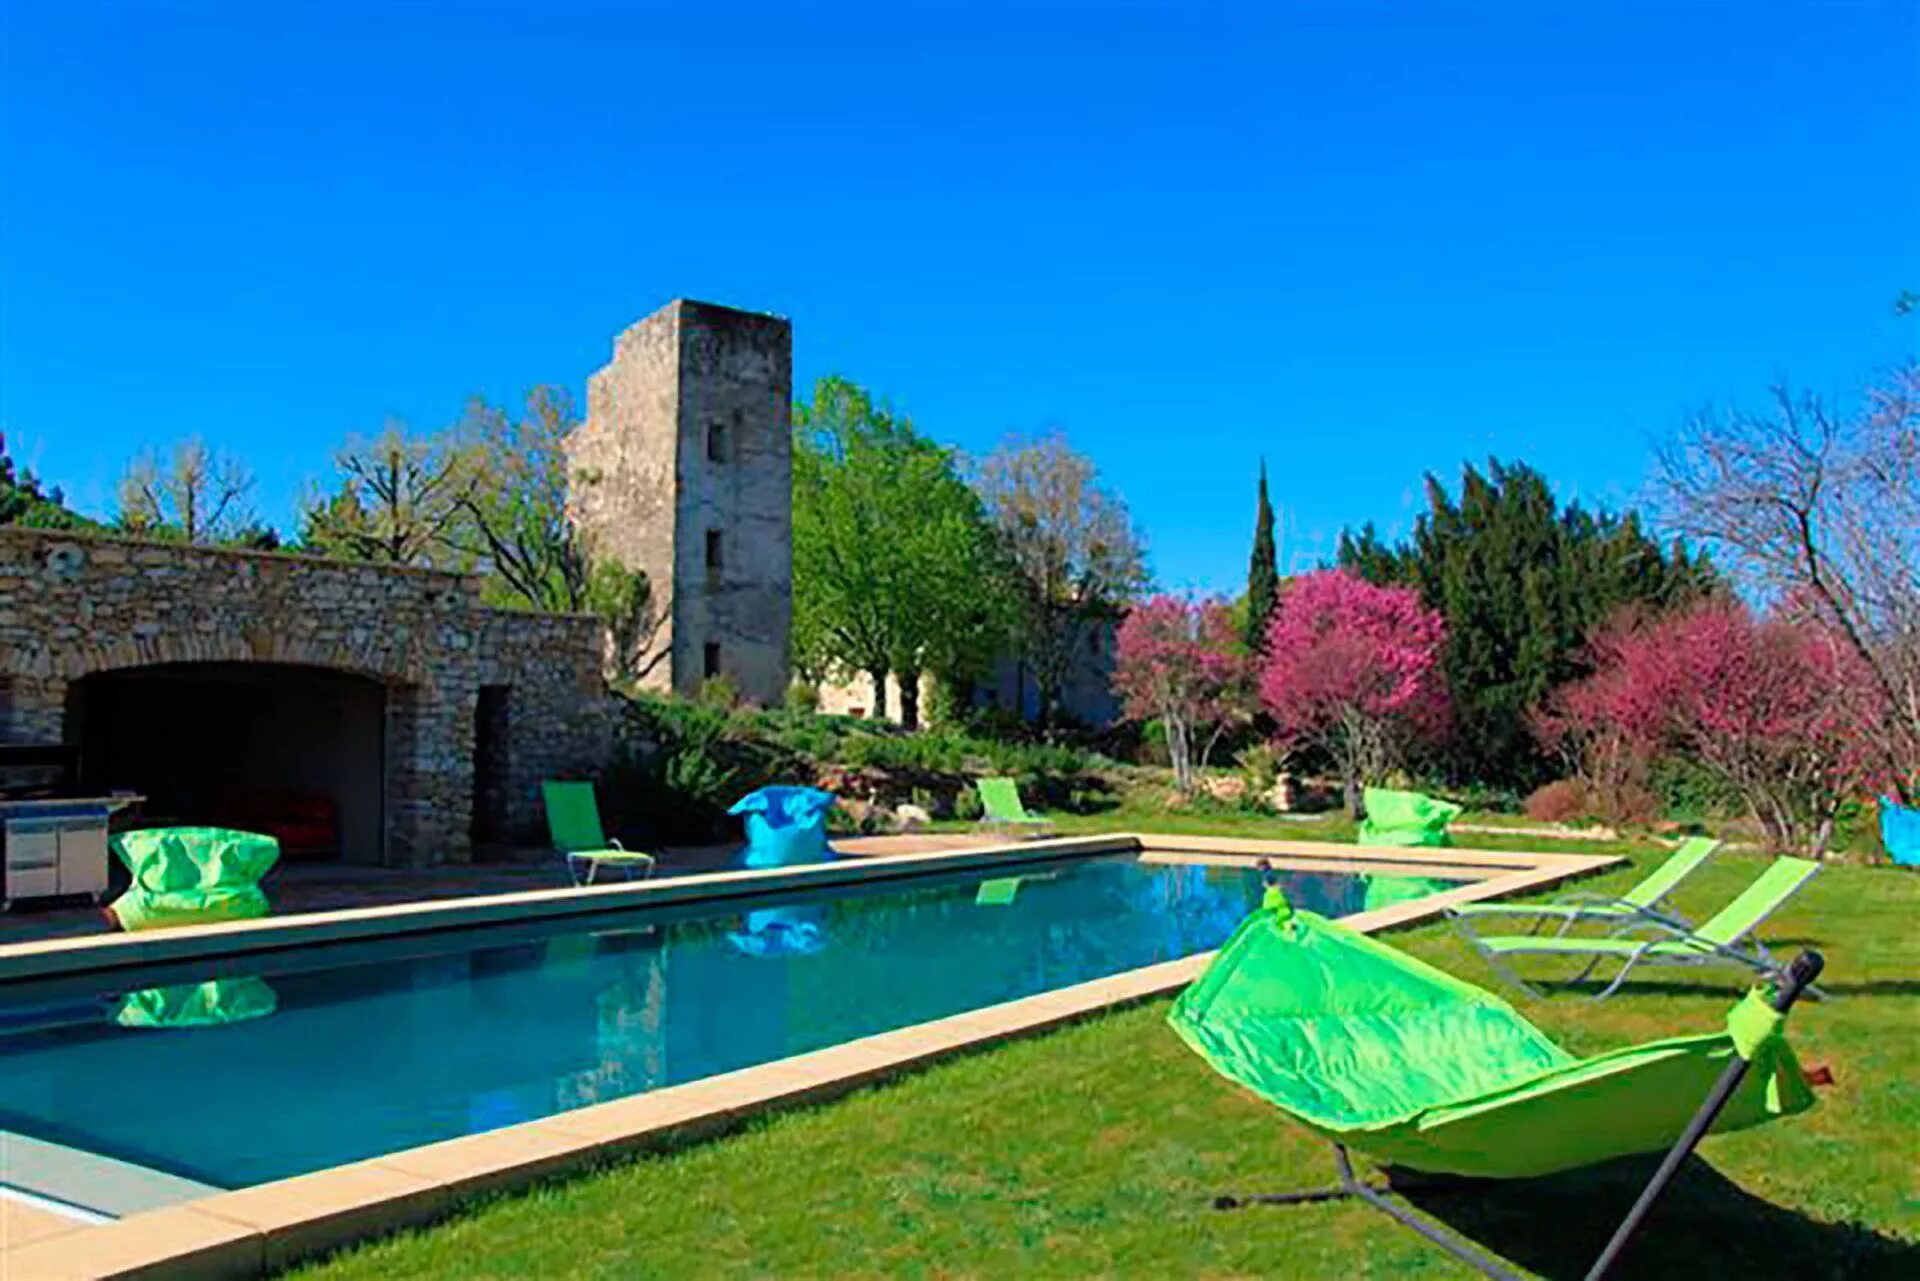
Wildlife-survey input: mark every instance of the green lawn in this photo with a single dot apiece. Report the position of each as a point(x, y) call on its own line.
point(1094, 1151)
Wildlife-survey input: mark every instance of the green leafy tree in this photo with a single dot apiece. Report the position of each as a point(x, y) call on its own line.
point(1263, 573)
point(1522, 582)
point(1076, 555)
point(894, 565)
point(24, 502)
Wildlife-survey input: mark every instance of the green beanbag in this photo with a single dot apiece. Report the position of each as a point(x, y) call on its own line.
point(1405, 818)
point(215, 1003)
point(192, 876)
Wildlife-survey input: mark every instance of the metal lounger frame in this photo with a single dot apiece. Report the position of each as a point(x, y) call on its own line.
point(1672, 930)
point(1796, 979)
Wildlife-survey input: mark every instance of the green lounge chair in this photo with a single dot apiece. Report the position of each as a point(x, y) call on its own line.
point(573, 820)
point(1384, 1055)
point(1725, 939)
point(1000, 798)
point(192, 876)
point(1648, 898)
point(1404, 818)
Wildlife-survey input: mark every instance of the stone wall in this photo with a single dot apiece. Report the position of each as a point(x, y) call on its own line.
point(624, 458)
point(684, 471)
point(1087, 695)
point(560, 716)
point(72, 606)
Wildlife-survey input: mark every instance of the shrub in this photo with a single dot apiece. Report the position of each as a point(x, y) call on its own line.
point(684, 761)
point(1561, 801)
point(1260, 768)
point(719, 691)
point(803, 698)
point(1689, 792)
point(1773, 709)
point(681, 764)
point(1486, 797)
point(966, 805)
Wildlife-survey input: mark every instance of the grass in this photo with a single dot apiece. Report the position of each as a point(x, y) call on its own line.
point(1094, 1151)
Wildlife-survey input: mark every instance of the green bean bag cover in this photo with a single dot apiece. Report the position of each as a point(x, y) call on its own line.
point(215, 1003)
point(192, 876)
point(1405, 818)
point(1386, 1055)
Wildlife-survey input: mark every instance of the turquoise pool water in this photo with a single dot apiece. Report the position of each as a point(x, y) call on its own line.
point(235, 1074)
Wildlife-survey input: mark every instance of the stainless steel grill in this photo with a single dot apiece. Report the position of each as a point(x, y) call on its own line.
point(55, 841)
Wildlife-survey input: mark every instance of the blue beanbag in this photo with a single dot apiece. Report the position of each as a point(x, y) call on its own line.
point(1900, 832)
point(786, 826)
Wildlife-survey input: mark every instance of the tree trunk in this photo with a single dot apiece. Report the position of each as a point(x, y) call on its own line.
point(879, 677)
point(1049, 699)
point(910, 699)
point(1350, 787)
point(1179, 753)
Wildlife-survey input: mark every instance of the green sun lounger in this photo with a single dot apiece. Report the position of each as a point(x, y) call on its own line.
point(1404, 819)
point(1385, 1055)
point(1725, 939)
point(1648, 898)
point(573, 821)
point(1000, 799)
point(192, 876)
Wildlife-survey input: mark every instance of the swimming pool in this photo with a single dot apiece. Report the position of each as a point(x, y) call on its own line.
point(232, 1073)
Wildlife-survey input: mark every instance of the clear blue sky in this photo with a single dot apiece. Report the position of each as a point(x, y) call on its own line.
point(1362, 240)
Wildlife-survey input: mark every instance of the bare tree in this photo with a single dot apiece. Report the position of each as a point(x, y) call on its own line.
point(1073, 545)
point(1820, 511)
point(196, 495)
point(515, 514)
point(400, 496)
point(514, 523)
point(636, 623)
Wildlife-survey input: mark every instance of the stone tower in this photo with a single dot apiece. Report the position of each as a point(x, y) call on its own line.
point(684, 469)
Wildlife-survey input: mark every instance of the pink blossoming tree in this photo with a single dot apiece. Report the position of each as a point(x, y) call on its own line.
point(1180, 661)
point(1354, 668)
point(1777, 708)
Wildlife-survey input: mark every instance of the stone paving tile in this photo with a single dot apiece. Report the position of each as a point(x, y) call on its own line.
point(510, 1157)
point(180, 1242)
point(297, 888)
point(21, 1224)
point(314, 1212)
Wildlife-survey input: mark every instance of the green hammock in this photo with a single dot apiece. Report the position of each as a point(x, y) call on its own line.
point(1386, 1055)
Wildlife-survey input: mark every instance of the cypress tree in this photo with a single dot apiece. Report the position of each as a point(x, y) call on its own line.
point(1263, 572)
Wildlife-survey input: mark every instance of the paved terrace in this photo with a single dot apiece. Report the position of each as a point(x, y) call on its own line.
point(297, 887)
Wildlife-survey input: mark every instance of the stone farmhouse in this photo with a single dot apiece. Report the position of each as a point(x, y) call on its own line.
point(220, 682)
point(408, 722)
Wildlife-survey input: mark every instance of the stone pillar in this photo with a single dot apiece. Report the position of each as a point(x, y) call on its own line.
point(33, 709)
point(429, 776)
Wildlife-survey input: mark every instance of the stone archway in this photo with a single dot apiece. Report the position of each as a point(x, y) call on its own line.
point(425, 730)
point(83, 606)
point(293, 750)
